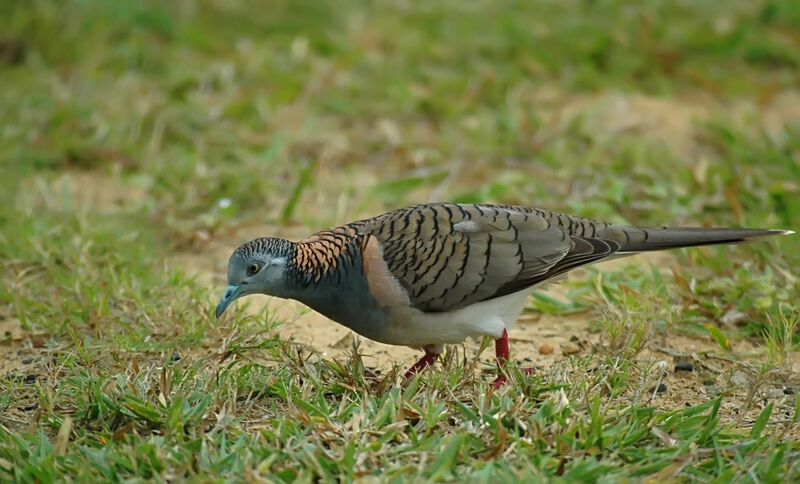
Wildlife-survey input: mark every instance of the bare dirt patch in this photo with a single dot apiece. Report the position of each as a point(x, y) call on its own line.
point(11, 343)
point(78, 189)
point(673, 121)
point(21, 361)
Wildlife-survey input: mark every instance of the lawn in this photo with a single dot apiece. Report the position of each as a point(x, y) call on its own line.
point(141, 142)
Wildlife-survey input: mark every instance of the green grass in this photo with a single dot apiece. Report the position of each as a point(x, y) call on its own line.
point(137, 138)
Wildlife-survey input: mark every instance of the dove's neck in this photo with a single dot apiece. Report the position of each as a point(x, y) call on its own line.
point(331, 280)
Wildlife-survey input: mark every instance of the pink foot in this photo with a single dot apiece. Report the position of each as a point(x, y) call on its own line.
point(498, 382)
point(427, 359)
point(502, 354)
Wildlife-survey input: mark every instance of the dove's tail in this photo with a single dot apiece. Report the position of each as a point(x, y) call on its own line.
point(649, 239)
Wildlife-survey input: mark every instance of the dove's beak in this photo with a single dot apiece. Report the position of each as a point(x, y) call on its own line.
point(231, 294)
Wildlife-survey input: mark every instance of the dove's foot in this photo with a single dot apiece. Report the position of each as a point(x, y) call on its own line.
point(427, 359)
point(502, 354)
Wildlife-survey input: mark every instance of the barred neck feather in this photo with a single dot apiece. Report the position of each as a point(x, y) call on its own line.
point(326, 272)
point(328, 255)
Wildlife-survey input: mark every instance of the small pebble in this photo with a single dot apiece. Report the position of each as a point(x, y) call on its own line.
point(23, 379)
point(739, 379)
point(30, 407)
point(775, 393)
point(570, 348)
point(684, 366)
point(546, 349)
point(660, 389)
point(176, 357)
point(27, 361)
point(734, 317)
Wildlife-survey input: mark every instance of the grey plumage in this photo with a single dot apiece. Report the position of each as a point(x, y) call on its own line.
point(448, 256)
point(432, 274)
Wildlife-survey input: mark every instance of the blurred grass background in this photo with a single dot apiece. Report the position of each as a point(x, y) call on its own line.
point(134, 131)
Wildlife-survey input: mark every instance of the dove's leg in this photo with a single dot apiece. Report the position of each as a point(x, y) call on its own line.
point(501, 352)
point(427, 359)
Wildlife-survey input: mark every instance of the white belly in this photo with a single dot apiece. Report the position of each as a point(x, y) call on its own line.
point(415, 328)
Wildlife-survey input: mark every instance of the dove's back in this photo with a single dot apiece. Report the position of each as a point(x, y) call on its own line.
point(448, 256)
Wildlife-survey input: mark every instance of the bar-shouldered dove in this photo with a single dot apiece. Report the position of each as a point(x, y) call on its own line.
point(429, 275)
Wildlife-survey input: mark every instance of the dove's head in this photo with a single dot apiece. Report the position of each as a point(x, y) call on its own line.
point(257, 267)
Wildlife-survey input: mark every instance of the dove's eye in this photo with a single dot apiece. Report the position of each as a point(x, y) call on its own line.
point(252, 268)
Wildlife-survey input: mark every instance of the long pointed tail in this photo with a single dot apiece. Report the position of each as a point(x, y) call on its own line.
point(640, 239)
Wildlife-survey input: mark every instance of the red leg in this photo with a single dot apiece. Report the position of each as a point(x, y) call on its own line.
point(501, 348)
point(427, 359)
point(501, 351)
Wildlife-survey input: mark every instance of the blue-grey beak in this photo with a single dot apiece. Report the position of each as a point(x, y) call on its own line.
point(231, 293)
